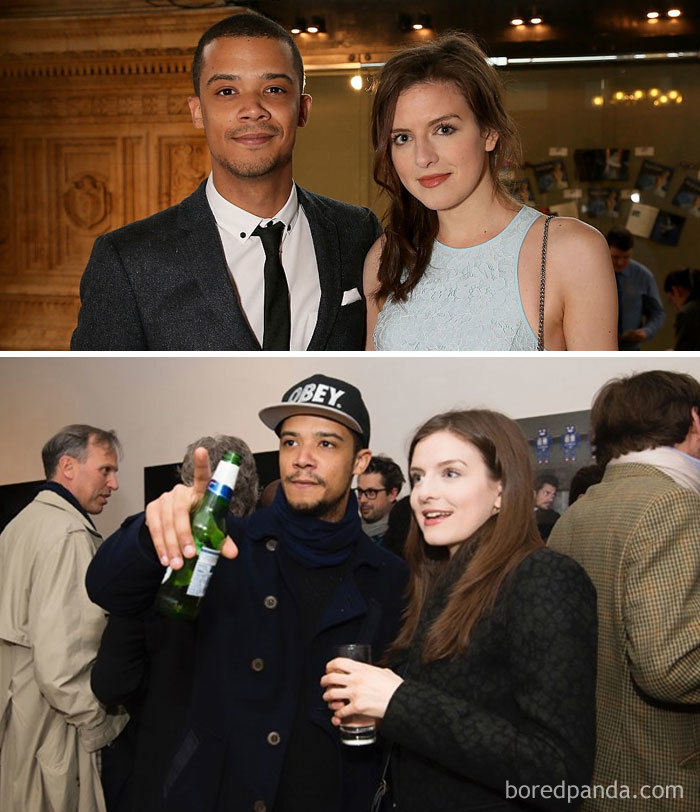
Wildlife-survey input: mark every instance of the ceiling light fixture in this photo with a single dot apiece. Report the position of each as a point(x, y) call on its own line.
point(316, 26)
point(414, 22)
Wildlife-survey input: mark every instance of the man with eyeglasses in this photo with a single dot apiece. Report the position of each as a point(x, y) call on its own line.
point(377, 490)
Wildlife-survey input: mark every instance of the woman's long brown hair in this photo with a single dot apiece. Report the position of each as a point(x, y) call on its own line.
point(491, 554)
point(409, 227)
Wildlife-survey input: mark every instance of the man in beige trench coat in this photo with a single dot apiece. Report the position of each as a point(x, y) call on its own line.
point(51, 725)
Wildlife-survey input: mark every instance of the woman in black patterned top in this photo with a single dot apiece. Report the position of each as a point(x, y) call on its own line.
point(496, 706)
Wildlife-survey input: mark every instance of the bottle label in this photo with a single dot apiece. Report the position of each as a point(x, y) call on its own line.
point(226, 473)
point(167, 575)
point(220, 490)
point(201, 575)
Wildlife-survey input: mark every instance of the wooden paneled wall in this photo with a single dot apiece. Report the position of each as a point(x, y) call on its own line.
point(89, 140)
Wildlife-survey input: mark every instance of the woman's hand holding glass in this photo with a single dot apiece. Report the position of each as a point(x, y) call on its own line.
point(355, 688)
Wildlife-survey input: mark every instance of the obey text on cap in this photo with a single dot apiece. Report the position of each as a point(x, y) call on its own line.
point(317, 393)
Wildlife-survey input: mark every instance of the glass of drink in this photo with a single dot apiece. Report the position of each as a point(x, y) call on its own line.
point(357, 730)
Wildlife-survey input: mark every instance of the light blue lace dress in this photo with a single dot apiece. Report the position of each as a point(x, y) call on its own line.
point(468, 299)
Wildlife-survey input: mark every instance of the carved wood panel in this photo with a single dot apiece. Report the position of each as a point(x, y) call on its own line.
point(84, 185)
point(89, 141)
point(6, 205)
point(183, 163)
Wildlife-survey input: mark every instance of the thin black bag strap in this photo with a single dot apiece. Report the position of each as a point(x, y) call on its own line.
point(383, 785)
point(540, 329)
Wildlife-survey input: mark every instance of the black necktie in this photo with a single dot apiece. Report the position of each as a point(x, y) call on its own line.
point(277, 328)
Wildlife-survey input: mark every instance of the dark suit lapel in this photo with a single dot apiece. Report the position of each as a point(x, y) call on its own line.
point(327, 249)
point(204, 256)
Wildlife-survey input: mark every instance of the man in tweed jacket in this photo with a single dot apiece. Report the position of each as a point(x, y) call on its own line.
point(209, 274)
point(637, 534)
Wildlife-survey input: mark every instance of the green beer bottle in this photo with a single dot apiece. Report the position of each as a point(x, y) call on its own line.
point(181, 590)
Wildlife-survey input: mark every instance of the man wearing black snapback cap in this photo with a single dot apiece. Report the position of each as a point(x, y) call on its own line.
point(304, 578)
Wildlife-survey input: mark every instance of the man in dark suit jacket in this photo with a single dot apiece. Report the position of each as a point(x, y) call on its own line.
point(201, 275)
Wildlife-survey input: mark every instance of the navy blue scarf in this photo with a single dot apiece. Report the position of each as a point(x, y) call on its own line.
point(315, 542)
point(64, 493)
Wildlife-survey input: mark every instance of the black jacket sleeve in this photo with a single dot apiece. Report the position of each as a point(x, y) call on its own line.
point(125, 574)
point(120, 671)
point(109, 318)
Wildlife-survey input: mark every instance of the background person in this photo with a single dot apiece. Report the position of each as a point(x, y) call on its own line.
point(499, 635)
point(583, 479)
point(305, 579)
point(145, 663)
point(459, 265)
point(641, 312)
point(377, 491)
point(51, 725)
point(636, 534)
point(249, 261)
point(546, 486)
point(683, 291)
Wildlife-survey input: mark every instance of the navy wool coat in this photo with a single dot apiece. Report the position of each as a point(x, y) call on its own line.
point(250, 668)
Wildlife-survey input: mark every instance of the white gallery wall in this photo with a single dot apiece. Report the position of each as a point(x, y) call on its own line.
point(158, 405)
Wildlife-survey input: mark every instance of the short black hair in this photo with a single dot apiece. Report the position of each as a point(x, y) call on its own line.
point(246, 24)
point(546, 479)
point(620, 238)
point(687, 278)
point(391, 474)
point(583, 479)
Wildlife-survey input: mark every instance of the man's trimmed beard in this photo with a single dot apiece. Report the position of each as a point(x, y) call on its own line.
point(254, 169)
point(320, 509)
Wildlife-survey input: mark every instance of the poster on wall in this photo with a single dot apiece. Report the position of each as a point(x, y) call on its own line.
point(602, 164)
point(688, 197)
point(667, 228)
point(654, 177)
point(559, 445)
point(641, 219)
point(522, 191)
point(551, 175)
point(603, 202)
point(616, 164)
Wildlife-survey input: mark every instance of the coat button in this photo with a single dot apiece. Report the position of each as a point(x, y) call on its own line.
point(270, 602)
point(273, 738)
point(259, 806)
point(271, 545)
point(258, 664)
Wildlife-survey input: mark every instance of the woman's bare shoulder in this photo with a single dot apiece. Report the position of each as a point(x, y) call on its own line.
point(575, 246)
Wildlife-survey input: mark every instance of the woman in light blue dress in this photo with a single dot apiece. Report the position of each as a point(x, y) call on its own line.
point(461, 265)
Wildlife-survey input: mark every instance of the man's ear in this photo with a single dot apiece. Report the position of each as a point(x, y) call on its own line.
point(393, 494)
point(66, 466)
point(304, 110)
point(362, 461)
point(196, 112)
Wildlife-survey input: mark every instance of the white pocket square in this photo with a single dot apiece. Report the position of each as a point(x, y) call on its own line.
point(350, 296)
